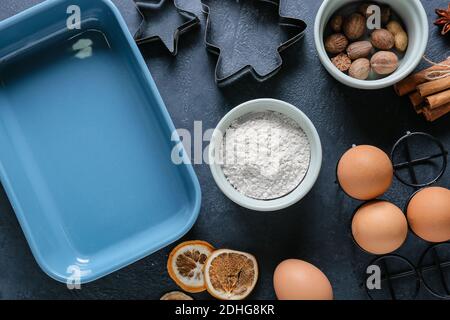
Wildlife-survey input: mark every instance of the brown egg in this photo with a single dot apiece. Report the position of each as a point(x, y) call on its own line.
point(379, 227)
point(299, 280)
point(365, 172)
point(428, 214)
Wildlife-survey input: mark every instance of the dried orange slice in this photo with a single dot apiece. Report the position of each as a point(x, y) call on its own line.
point(230, 275)
point(186, 263)
point(176, 295)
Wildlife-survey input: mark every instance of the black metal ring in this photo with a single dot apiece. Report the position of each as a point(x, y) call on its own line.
point(389, 277)
point(436, 265)
point(411, 162)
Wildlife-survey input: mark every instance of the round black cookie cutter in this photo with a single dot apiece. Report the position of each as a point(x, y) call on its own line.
point(283, 21)
point(145, 8)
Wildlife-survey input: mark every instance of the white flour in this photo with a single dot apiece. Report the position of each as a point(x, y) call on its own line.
point(265, 155)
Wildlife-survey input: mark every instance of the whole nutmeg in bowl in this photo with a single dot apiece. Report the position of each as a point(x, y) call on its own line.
point(336, 23)
point(359, 49)
point(390, 45)
point(384, 62)
point(336, 43)
point(382, 39)
point(342, 62)
point(360, 69)
point(354, 26)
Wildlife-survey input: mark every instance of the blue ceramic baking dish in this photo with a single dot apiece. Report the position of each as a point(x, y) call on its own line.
point(85, 143)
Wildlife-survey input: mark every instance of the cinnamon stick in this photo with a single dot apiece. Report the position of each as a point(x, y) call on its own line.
point(432, 87)
point(410, 83)
point(434, 114)
point(416, 99)
point(438, 100)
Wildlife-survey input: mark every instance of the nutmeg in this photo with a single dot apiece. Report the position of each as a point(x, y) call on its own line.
point(401, 41)
point(394, 27)
point(360, 69)
point(336, 23)
point(382, 39)
point(336, 43)
point(342, 62)
point(384, 62)
point(355, 26)
point(359, 49)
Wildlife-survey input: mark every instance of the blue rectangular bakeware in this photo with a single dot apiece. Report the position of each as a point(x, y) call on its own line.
point(85, 143)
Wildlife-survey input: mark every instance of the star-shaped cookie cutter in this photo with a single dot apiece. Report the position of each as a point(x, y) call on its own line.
point(284, 21)
point(145, 7)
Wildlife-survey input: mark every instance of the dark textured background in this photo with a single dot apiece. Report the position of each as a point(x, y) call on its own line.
point(317, 229)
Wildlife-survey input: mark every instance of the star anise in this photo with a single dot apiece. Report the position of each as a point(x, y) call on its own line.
point(444, 19)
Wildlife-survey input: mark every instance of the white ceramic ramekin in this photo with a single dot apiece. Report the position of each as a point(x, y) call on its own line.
point(414, 18)
point(261, 105)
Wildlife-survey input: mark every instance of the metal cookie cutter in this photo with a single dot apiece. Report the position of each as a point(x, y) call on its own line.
point(151, 13)
point(232, 45)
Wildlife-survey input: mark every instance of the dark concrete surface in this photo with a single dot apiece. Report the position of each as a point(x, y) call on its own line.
point(316, 229)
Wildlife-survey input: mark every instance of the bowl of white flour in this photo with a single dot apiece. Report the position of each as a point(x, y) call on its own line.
point(265, 155)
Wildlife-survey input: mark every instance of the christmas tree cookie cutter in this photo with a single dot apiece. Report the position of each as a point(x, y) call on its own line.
point(228, 68)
